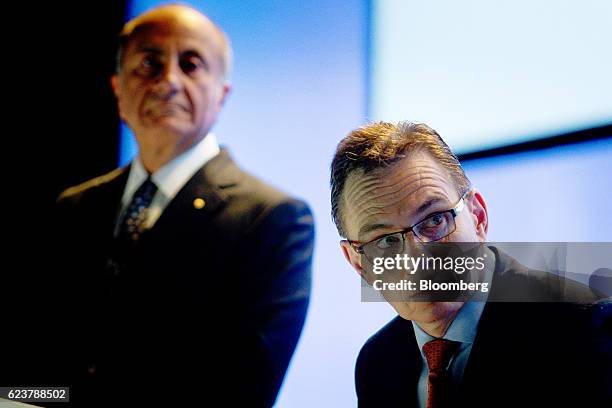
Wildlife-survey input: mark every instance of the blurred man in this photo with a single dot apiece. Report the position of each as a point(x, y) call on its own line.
point(399, 187)
point(189, 278)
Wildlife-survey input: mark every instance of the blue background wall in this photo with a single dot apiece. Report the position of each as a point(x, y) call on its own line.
point(492, 72)
point(299, 86)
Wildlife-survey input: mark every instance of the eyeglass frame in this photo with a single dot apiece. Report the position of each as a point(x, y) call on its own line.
point(455, 210)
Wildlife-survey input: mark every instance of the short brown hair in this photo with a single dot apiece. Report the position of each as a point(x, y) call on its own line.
point(380, 145)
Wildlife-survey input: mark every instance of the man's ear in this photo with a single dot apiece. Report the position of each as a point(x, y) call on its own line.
point(478, 211)
point(352, 257)
point(115, 85)
point(227, 88)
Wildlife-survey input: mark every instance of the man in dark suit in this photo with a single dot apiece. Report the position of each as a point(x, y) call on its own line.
point(185, 279)
point(398, 189)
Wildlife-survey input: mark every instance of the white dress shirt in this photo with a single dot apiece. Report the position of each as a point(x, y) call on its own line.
point(462, 329)
point(169, 179)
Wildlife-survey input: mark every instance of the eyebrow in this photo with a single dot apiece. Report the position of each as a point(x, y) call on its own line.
point(148, 49)
point(427, 204)
point(366, 229)
point(187, 53)
point(154, 50)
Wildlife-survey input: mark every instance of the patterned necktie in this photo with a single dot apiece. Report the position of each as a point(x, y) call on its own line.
point(438, 354)
point(134, 221)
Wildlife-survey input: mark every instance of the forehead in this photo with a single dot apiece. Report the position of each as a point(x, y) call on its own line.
point(397, 196)
point(174, 34)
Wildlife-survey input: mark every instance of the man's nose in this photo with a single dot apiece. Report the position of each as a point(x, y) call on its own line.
point(169, 81)
point(412, 246)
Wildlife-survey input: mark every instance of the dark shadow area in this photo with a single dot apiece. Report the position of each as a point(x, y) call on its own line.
point(63, 130)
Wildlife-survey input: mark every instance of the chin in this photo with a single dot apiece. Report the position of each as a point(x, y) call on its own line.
point(170, 122)
point(170, 127)
point(414, 310)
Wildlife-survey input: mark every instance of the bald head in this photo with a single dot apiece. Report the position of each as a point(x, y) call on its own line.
point(171, 80)
point(176, 17)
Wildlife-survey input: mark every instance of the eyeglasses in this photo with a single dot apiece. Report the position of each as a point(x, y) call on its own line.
point(433, 228)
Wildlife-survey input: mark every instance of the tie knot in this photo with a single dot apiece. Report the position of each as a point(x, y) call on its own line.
point(439, 352)
point(146, 191)
point(135, 218)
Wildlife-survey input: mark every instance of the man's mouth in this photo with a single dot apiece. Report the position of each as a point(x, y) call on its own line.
point(167, 108)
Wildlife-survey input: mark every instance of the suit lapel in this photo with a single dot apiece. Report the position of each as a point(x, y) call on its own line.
point(202, 196)
point(400, 375)
point(497, 339)
point(109, 199)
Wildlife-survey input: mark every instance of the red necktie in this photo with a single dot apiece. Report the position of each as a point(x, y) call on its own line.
point(438, 354)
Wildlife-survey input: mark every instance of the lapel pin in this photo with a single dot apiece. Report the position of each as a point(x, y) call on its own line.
point(199, 203)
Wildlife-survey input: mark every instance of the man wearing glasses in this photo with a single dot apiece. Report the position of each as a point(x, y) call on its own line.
point(398, 189)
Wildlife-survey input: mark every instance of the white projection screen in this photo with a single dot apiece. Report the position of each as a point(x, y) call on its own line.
point(491, 73)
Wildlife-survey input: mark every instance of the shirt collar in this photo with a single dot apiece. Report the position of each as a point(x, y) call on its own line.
point(171, 177)
point(462, 329)
point(137, 176)
point(175, 174)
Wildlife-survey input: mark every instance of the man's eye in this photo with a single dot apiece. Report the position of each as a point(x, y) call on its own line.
point(434, 221)
point(149, 67)
point(388, 242)
point(191, 65)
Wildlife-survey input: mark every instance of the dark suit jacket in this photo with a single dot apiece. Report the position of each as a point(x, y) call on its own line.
point(525, 354)
point(210, 304)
